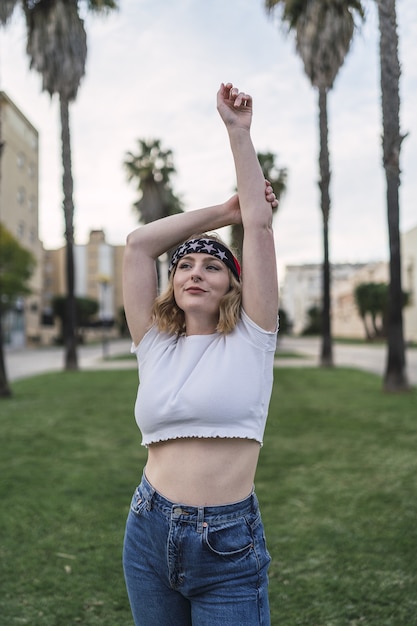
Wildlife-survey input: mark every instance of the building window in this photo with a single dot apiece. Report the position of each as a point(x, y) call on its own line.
point(31, 170)
point(32, 204)
point(21, 230)
point(21, 195)
point(21, 160)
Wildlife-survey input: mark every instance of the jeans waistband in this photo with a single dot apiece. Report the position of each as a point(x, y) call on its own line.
point(196, 514)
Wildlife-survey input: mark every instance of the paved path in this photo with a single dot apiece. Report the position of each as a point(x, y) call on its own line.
point(27, 362)
point(372, 358)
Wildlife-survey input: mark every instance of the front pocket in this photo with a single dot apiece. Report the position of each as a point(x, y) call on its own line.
point(138, 504)
point(229, 539)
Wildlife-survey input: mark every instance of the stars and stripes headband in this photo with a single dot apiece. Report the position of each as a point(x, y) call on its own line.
point(206, 246)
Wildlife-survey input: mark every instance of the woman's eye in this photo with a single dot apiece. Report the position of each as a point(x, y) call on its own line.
point(213, 267)
point(183, 265)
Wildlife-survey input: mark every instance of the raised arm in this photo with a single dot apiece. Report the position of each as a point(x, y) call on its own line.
point(145, 244)
point(259, 269)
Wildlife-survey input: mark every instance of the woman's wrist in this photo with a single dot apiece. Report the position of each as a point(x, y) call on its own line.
point(220, 216)
point(238, 130)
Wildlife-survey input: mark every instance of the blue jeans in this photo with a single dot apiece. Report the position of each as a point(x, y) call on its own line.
point(199, 566)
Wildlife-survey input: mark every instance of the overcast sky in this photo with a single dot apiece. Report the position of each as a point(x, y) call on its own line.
point(153, 70)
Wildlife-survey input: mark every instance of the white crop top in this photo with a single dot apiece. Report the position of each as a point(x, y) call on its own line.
point(205, 385)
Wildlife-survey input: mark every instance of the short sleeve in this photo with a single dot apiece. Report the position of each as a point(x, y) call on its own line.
point(256, 335)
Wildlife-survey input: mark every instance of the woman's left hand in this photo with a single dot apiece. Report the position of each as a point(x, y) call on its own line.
point(234, 106)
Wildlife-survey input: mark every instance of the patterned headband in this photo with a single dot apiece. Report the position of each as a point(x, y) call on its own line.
point(206, 246)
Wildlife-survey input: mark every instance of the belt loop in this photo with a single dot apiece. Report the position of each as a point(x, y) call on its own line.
point(150, 493)
point(200, 519)
point(255, 503)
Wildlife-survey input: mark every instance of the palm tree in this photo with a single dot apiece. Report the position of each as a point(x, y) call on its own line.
point(57, 47)
point(277, 176)
point(323, 31)
point(395, 377)
point(151, 168)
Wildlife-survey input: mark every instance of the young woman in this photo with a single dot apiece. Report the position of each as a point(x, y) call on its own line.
point(194, 550)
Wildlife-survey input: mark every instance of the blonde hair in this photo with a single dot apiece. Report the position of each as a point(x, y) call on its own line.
point(169, 318)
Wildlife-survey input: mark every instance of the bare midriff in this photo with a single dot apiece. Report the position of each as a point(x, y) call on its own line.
point(203, 472)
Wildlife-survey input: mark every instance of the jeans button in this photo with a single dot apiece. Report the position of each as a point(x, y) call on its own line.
point(177, 510)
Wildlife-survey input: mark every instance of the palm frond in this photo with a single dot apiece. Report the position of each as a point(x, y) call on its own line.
point(6, 10)
point(57, 45)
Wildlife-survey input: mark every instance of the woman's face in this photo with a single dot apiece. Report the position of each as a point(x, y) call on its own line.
point(200, 282)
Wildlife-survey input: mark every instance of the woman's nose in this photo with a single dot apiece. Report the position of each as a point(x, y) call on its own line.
point(196, 274)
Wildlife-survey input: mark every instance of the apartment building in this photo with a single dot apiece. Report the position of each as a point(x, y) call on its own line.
point(302, 289)
point(19, 209)
point(346, 321)
point(98, 275)
point(345, 318)
point(98, 265)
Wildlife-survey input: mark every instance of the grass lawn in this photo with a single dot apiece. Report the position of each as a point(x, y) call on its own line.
point(281, 354)
point(337, 482)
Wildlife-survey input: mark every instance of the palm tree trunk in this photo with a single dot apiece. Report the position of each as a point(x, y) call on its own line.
point(395, 378)
point(236, 240)
point(70, 329)
point(326, 357)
